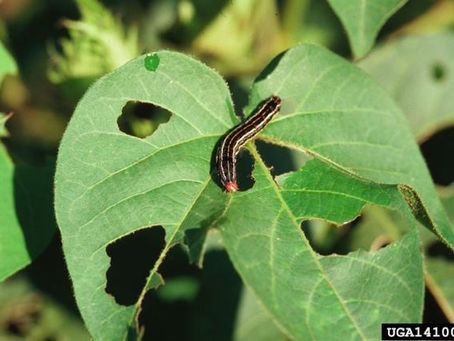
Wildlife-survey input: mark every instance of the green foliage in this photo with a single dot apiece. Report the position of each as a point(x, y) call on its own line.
point(303, 290)
point(417, 72)
point(26, 210)
point(350, 122)
point(136, 184)
point(26, 213)
point(109, 184)
point(363, 19)
point(254, 323)
point(26, 202)
point(422, 88)
point(336, 173)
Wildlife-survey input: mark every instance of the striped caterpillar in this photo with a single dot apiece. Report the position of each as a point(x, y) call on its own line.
point(238, 137)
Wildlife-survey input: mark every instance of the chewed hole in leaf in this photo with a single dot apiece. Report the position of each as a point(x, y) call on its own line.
point(438, 151)
point(376, 228)
point(438, 72)
point(194, 297)
point(155, 313)
point(132, 258)
point(326, 238)
point(141, 119)
point(280, 159)
point(172, 303)
point(245, 165)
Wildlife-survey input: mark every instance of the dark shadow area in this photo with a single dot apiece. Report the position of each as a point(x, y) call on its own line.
point(44, 25)
point(240, 96)
point(438, 151)
point(210, 315)
point(432, 312)
point(158, 314)
point(141, 119)
point(270, 67)
point(410, 11)
point(217, 303)
point(30, 37)
point(438, 72)
point(48, 273)
point(438, 249)
point(132, 258)
point(203, 12)
point(33, 199)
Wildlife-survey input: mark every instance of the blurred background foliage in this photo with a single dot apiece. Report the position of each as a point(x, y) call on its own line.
point(60, 47)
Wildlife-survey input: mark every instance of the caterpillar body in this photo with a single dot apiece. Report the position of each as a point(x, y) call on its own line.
point(238, 137)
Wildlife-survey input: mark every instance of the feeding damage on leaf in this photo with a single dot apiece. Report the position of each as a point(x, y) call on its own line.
point(131, 259)
point(272, 254)
point(110, 184)
point(133, 277)
point(141, 119)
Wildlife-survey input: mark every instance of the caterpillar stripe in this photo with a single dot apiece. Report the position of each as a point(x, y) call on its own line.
point(238, 137)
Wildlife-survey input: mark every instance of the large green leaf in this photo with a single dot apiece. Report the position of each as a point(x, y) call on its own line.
point(109, 184)
point(417, 72)
point(254, 322)
point(335, 112)
point(363, 20)
point(26, 213)
point(305, 291)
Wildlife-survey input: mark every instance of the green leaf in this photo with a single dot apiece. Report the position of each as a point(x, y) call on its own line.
point(363, 19)
point(351, 123)
point(417, 72)
point(26, 213)
point(254, 322)
point(7, 63)
point(109, 184)
point(305, 291)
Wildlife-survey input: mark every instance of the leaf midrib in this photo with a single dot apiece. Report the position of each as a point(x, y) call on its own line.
point(169, 245)
point(303, 238)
